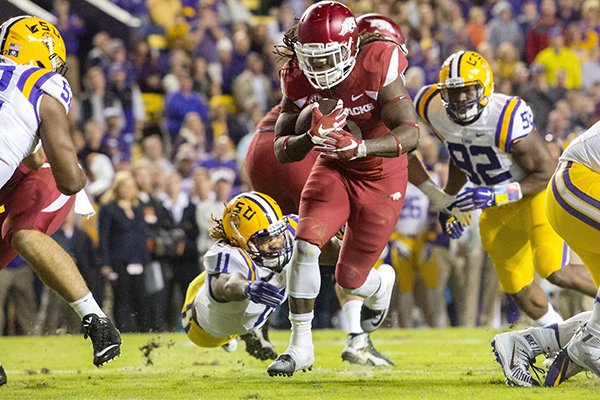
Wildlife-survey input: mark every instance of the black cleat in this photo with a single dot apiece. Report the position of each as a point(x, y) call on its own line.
point(3, 379)
point(284, 366)
point(106, 339)
point(258, 345)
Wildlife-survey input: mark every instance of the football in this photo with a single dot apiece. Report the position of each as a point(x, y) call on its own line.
point(304, 119)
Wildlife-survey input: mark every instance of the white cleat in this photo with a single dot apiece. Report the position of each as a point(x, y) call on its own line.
point(360, 350)
point(375, 308)
point(231, 346)
point(516, 353)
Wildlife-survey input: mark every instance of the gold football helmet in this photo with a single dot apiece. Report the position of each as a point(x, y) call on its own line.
point(254, 222)
point(33, 41)
point(466, 85)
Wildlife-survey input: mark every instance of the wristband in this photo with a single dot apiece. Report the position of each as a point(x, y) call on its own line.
point(507, 193)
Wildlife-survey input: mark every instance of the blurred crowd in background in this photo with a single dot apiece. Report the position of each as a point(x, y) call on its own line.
point(162, 122)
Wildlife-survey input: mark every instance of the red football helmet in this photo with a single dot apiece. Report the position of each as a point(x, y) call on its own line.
point(373, 23)
point(327, 43)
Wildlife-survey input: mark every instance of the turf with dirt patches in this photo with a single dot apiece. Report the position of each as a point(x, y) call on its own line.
point(430, 364)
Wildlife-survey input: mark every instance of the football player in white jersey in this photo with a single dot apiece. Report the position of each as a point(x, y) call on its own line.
point(493, 143)
point(244, 278)
point(573, 208)
point(34, 101)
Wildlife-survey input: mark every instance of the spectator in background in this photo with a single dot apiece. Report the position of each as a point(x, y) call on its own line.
point(71, 27)
point(508, 61)
point(100, 172)
point(415, 80)
point(146, 67)
point(124, 253)
point(207, 207)
point(558, 59)
point(538, 96)
point(93, 138)
point(185, 164)
point(591, 69)
point(582, 42)
point(164, 12)
point(476, 25)
point(204, 37)
point(96, 97)
point(16, 286)
point(222, 159)
point(504, 28)
point(528, 16)
point(203, 82)
point(252, 88)
point(537, 36)
point(567, 12)
point(153, 154)
point(183, 259)
point(224, 122)
point(115, 143)
point(99, 56)
point(237, 61)
point(54, 313)
point(590, 12)
point(193, 132)
point(183, 101)
point(160, 225)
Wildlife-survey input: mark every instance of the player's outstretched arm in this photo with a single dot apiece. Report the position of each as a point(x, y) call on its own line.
point(532, 155)
point(235, 287)
point(59, 146)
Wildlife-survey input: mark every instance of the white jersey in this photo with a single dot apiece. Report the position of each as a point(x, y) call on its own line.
point(585, 149)
point(414, 218)
point(482, 148)
point(235, 317)
point(21, 89)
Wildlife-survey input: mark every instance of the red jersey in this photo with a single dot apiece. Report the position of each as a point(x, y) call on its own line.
point(378, 64)
point(267, 123)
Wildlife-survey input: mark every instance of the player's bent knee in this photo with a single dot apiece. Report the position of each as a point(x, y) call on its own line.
point(560, 278)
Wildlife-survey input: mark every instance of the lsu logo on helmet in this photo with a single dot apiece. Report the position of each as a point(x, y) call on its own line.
point(33, 41)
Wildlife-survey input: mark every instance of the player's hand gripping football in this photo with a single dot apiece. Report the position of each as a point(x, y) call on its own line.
point(263, 293)
point(345, 147)
point(323, 125)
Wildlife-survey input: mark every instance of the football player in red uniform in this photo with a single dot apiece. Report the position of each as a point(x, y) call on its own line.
point(358, 180)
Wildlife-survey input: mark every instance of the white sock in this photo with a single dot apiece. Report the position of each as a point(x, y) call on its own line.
point(301, 329)
point(351, 311)
point(87, 305)
point(594, 323)
point(551, 317)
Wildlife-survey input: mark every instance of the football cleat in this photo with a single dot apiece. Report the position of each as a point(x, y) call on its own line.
point(372, 318)
point(105, 338)
point(3, 379)
point(582, 353)
point(230, 346)
point(258, 344)
point(516, 353)
point(286, 365)
point(360, 350)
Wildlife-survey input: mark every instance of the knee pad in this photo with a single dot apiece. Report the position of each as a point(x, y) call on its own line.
point(304, 276)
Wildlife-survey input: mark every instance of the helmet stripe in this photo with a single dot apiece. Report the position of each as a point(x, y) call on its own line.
point(455, 65)
point(264, 205)
point(7, 25)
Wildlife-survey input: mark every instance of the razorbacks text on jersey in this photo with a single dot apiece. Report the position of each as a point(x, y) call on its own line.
point(21, 89)
point(482, 148)
point(222, 320)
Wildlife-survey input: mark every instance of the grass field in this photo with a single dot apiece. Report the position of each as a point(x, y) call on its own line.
point(430, 364)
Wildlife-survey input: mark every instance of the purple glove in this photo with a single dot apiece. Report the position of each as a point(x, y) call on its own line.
point(470, 199)
point(450, 225)
point(262, 292)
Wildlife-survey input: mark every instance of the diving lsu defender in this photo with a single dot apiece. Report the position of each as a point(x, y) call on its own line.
point(492, 141)
point(32, 56)
point(245, 276)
